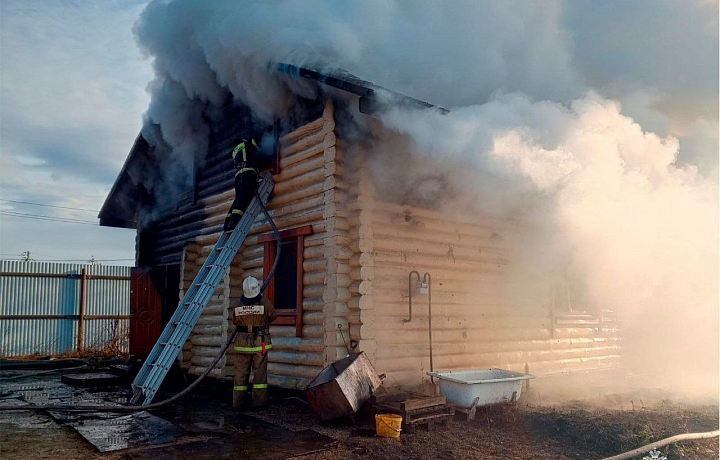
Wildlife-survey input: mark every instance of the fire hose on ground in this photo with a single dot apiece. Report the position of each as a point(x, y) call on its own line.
point(663, 442)
point(201, 377)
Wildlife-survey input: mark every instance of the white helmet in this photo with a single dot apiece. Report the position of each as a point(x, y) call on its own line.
point(251, 287)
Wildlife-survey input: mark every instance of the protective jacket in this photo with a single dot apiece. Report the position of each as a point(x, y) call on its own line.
point(244, 156)
point(252, 316)
point(245, 163)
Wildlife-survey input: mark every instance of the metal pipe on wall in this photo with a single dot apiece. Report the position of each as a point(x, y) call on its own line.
point(429, 284)
point(426, 280)
point(410, 294)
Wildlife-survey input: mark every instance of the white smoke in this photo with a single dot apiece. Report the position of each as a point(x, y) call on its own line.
point(637, 232)
point(527, 137)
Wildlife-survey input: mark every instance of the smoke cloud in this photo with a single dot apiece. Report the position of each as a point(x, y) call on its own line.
point(636, 233)
point(533, 134)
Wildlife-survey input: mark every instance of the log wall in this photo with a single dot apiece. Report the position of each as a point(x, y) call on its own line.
point(356, 264)
point(472, 324)
point(306, 192)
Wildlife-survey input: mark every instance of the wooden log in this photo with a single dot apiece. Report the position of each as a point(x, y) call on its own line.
point(290, 171)
point(313, 277)
point(434, 262)
point(203, 361)
point(312, 331)
point(197, 370)
point(387, 336)
point(296, 358)
point(302, 131)
point(302, 143)
point(299, 182)
point(298, 344)
point(313, 291)
point(440, 249)
point(207, 340)
point(205, 351)
point(315, 264)
point(313, 317)
point(466, 219)
point(291, 208)
point(209, 329)
point(298, 195)
point(313, 304)
point(282, 331)
point(293, 370)
point(210, 319)
point(314, 252)
point(312, 216)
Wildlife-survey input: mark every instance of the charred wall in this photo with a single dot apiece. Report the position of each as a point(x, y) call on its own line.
point(306, 190)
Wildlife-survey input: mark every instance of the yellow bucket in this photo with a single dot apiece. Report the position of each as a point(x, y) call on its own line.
point(388, 425)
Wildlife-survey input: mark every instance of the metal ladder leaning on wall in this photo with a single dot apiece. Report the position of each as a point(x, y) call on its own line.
point(196, 298)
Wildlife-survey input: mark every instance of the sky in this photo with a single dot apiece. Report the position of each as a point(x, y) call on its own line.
point(73, 92)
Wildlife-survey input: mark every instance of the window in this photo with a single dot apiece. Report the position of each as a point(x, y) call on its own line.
point(285, 288)
point(569, 306)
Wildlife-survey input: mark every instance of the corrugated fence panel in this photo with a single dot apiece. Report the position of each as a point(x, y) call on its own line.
point(28, 336)
point(44, 295)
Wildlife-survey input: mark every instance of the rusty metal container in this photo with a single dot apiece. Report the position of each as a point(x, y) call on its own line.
point(343, 387)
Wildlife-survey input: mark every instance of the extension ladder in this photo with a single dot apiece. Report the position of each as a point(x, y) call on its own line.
point(196, 298)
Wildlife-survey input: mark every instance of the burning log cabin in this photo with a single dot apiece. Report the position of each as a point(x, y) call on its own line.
point(347, 254)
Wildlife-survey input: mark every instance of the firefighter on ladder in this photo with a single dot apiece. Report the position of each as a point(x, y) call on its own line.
point(252, 315)
point(246, 175)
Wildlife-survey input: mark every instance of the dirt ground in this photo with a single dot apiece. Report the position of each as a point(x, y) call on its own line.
point(569, 431)
point(523, 432)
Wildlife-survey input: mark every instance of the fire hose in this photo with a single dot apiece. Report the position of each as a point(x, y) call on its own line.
point(201, 377)
point(663, 442)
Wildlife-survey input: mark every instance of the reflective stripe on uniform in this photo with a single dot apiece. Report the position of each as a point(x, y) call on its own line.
point(236, 211)
point(240, 146)
point(259, 386)
point(253, 349)
point(240, 387)
point(242, 170)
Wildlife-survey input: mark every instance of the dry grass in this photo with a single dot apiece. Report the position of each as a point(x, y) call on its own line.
point(114, 347)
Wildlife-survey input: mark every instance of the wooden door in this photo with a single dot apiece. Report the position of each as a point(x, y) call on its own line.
point(145, 311)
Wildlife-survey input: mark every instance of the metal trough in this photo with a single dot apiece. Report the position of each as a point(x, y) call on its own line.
point(470, 388)
point(343, 387)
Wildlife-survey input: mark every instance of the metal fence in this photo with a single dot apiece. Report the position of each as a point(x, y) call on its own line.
point(53, 308)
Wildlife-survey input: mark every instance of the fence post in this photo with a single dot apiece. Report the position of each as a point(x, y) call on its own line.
point(81, 316)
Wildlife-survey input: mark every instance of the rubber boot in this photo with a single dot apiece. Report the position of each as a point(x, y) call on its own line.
point(231, 222)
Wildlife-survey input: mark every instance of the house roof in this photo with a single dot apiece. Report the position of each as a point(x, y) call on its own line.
point(121, 204)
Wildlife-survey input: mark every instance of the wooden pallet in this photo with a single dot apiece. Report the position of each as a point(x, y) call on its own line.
point(416, 410)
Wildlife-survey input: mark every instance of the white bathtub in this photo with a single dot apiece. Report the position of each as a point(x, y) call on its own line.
point(488, 386)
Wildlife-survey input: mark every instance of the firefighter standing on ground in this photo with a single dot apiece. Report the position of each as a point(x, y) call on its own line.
point(252, 315)
point(244, 159)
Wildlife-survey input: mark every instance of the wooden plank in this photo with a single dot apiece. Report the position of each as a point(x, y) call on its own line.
point(300, 283)
point(286, 234)
point(420, 403)
point(429, 417)
point(421, 414)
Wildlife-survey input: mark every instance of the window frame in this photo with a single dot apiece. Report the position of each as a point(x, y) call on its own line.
point(286, 317)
